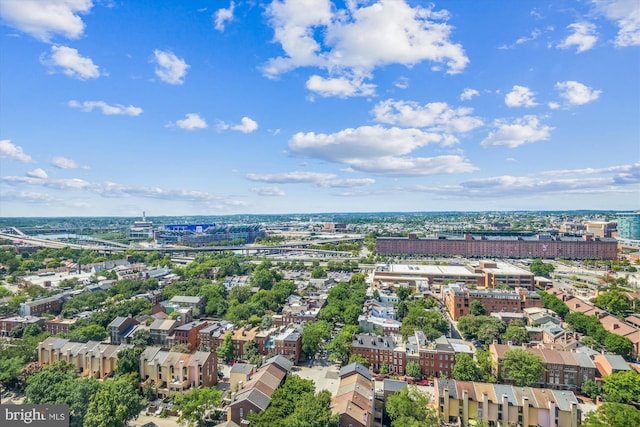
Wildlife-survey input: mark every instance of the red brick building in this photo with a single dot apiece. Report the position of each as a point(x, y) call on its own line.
point(188, 334)
point(502, 246)
point(458, 299)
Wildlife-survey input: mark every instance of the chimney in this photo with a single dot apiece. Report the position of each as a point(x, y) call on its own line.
point(505, 409)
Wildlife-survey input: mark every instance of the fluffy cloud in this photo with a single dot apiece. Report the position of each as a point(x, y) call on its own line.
point(342, 87)
point(626, 14)
point(414, 166)
point(192, 121)
point(72, 63)
point(38, 173)
point(520, 96)
point(12, 151)
point(316, 178)
point(223, 16)
point(247, 125)
point(107, 109)
point(522, 130)
point(468, 93)
point(354, 41)
point(584, 37)
point(44, 19)
point(169, 67)
point(64, 163)
point(436, 116)
point(576, 93)
point(115, 190)
point(267, 191)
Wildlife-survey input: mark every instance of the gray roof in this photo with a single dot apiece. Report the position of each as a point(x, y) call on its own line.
point(355, 367)
point(242, 368)
point(255, 396)
point(394, 385)
point(281, 361)
point(617, 362)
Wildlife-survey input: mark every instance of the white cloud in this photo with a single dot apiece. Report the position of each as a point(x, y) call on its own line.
point(38, 173)
point(522, 130)
point(247, 125)
point(352, 42)
point(626, 14)
point(268, 191)
point(223, 16)
point(520, 96)
point(169, 67)
point(342, 87)
point(468, 93)
point(192, 121)
point(12, 151)
point(525, 39)
point(291, 177)
point(72, 63)
point(379, 150)
point(44, 19)
point(553, 105)
point(118, 109)
point(435, 116)
point(115, 190)
point(64, 163)
point(401, 83)
point(576, 93)
point(584, 37)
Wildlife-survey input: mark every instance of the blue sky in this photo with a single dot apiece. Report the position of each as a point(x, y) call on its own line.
point(112, 107)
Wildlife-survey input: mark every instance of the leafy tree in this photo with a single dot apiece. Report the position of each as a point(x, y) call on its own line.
point(590, 388)
point(522, 367)
point(250, 353)
point(32, 330)
point(614, 302)
point(485, 328)
point(618, 344)
point(413, 369)
point(516, 334)
point(403, 292)
point(477, 309)
point(284, 402)
point(613, 414)
point(313, 412)
point(180, 348)
point(225, 350)
point(313, 335)
point(318, 273)
point(340, 347)
point(621, 387)
point(128, 361)
point(358, 358)
point(539, 268)
point(483, 358)
point(114, 404)
point(384, 369)
point(408, 408)
point(195, 404)
point(466, 368)
point(142, 338)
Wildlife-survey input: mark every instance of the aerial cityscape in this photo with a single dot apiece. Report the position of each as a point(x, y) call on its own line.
point(306, 213)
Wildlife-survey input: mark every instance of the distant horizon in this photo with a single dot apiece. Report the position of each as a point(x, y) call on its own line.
point(541, 211)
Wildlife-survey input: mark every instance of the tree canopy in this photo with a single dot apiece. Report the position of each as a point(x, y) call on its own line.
point(621, 387)
point(613, 414)
point(408, 408)
point(195, 404)
point(466, 368)
point(524, 368)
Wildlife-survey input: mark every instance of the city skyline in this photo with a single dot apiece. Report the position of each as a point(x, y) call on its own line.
point(216, 108)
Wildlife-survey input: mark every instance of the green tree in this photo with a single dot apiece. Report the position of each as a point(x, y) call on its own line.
point(466, 368)
point(618, 344)
point(483, 357)
point(613, 414)
point(313, 335)
point(614, 302)
point(340, 346)
point(524, 368)
point(413, 369)
point(539, 268)
point(284, 402)
point(318, 273)
point(250, 353)
point(477, 309)
point(114, 404)
point(358, 358)
point(408, 408)
point(516, 334)
point(225, 350)
point(180, 348)
point(195, 404)
point(313, 412)
point(590, 388)
point(403, 292)
point(142, 338)
point(128, 361)
point(88, 333)
point(621, 387)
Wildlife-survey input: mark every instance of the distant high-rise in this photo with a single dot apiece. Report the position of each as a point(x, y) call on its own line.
point(629, 228)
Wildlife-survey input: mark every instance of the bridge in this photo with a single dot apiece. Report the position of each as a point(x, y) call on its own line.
point(103, 246)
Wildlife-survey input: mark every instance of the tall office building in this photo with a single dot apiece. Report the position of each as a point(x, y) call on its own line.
point(629, 228)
